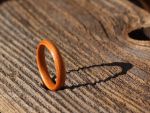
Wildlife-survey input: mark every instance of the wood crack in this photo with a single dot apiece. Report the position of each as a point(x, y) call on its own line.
point(104, 29)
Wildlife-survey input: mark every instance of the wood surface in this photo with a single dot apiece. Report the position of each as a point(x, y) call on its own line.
point(107, 71)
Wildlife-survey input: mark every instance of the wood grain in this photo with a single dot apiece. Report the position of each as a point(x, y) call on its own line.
point(107, 71)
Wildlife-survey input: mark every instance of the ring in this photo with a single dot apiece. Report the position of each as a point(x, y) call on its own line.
point(58, 61)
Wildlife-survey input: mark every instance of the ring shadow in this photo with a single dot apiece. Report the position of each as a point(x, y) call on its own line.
point(125, 67)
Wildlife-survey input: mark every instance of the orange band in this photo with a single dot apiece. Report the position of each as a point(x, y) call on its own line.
point(59, 65)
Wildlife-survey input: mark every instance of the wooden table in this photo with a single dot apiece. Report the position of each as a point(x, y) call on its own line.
point(107, 70)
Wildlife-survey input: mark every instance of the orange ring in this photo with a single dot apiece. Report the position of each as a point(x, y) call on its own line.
point(59, 65)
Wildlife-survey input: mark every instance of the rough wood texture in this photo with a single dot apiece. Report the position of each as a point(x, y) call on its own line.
point(106, 70)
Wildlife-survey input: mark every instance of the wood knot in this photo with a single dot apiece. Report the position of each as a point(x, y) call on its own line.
point(140, 36)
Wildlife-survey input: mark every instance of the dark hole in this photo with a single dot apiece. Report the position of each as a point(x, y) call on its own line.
point(137, 2)
point(2, 1)
point(144, 4)
point(142, 34)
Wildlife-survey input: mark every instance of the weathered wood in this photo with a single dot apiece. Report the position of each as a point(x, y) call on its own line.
point(107, 71)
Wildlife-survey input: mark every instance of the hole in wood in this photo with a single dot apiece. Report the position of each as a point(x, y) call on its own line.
point(2, 1)
point(144, 4)
point(142, 34)
point(137, 2)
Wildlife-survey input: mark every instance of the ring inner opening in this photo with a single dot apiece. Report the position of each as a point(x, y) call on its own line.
point(50, 65)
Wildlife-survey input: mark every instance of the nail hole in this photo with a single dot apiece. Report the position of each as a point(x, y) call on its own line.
point(142, 34)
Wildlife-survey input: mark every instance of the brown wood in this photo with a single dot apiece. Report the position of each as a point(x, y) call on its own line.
point(107, 71)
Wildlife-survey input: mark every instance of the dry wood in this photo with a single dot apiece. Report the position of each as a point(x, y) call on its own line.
point(107, 71)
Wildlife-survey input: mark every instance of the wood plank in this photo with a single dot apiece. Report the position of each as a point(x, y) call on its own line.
point(107, 71)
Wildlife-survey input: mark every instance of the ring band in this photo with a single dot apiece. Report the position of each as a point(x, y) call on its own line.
point(59, 65)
